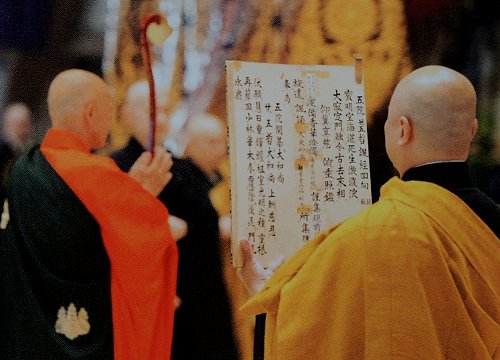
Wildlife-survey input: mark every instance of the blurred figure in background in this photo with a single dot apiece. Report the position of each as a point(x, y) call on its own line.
point(203, 326)
point(204, 322)
point(16, 125)
point(135, 116)
point(14, 137)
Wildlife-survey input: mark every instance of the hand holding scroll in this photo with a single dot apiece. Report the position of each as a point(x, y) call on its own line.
point(153, 173)
point(252, 273)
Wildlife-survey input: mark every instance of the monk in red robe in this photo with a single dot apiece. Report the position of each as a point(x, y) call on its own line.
point(87, 261)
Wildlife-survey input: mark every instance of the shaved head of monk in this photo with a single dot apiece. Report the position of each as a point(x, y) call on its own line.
point(432, 117)
point(80, 101)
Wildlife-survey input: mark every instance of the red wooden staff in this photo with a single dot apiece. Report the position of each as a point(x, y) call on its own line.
point(157, 33)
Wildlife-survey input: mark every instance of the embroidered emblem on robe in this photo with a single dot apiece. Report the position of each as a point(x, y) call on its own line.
point(71, 323)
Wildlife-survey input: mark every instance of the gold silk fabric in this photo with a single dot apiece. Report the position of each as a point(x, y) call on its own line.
point(407, 278)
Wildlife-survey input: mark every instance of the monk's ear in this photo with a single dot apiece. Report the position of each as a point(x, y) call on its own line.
point(474, 128)
point(405, 130)
point(88, 115)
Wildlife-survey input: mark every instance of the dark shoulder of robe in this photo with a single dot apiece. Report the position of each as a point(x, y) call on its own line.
point(455, 177)
point(36, 278)
point(203, 324)
point(492, 183)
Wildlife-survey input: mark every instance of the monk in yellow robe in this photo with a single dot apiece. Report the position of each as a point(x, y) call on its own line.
point(414, 276)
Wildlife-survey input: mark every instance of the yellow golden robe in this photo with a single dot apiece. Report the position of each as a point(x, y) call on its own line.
point(414, 276)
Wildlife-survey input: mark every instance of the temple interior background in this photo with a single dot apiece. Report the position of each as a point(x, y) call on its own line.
point(40, 38)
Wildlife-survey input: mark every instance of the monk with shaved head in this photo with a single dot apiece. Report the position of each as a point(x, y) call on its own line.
point(415, 275)
point(80, 102)
point(88, 264)
point(432, 117)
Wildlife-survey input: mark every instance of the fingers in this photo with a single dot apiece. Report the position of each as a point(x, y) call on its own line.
point(252, 273)
point(239, 273)
point(153, 172)
point(168, 177)
point(246, 252)
point(138, 167)
point(144, 159)
point(162, 161)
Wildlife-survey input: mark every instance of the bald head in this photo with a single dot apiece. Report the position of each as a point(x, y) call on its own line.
point(206, 144)
point(135, 112)
point(138, 93)
point(16, 124)
point(80, 101)
point(432, 117)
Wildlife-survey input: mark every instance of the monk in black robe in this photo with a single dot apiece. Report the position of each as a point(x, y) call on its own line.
point(87, 261)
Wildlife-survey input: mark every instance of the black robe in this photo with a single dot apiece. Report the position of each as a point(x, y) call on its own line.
point(6, 158)
point(492, 183)
point(35, 283)
point(455, 177)
point(203, 328)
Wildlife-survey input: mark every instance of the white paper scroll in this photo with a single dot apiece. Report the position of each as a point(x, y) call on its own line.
point(298, 153)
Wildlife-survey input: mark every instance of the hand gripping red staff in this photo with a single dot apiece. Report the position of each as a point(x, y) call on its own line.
point(155, 28)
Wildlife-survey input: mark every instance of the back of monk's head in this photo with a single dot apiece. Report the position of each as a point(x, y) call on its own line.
point(206, 144)
point(440, 105)
point(80, 101)
point(135, 112)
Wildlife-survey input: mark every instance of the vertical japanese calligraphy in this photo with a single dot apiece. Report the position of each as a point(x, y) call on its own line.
point(298, 153)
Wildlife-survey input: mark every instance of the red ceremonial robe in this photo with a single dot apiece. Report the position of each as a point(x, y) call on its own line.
point(138, 241)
